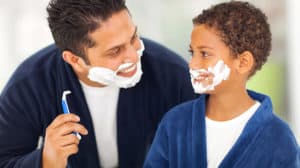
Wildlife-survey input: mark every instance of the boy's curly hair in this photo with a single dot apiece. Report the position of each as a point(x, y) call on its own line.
point(242, 27)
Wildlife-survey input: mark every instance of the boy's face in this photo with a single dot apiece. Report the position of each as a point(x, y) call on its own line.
point(117, 42)
point(207, 49)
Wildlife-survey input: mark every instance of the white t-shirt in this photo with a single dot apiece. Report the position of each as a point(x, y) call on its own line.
point(222, 135)
point(102, 103)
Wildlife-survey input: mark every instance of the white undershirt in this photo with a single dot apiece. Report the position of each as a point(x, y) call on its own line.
point(102, 104)
point(222, 135)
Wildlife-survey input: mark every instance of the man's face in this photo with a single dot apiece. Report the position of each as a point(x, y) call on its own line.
point(117, 42)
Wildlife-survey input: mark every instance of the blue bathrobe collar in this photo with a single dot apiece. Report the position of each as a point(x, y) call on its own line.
point(261, 117)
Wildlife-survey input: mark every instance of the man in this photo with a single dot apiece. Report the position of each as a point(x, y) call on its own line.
point(120, 88)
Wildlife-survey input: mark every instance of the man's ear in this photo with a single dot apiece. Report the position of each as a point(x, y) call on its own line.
point(245, 62)
point(75, 61)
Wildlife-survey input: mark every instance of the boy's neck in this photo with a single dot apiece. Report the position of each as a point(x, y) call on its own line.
point(229, 105)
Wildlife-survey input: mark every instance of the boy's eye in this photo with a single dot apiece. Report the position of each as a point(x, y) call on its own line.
point(204, 54)
point(191, 52)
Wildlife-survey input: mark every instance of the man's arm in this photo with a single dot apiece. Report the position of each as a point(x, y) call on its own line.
point(18, 130)
point(21, 115)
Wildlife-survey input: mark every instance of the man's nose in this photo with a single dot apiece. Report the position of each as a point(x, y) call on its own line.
point(131, 54)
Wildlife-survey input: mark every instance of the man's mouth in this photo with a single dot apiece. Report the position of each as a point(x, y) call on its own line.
point(129, 69)
point(128, 72)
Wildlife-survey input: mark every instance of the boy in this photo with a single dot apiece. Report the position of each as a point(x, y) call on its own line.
point(227, 126)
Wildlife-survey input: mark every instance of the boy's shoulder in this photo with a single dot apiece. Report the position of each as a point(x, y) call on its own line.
point(278, 135)
point(180, 115)
point(280, 131)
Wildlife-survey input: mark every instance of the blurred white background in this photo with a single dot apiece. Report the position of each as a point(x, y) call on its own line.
point(24, 30)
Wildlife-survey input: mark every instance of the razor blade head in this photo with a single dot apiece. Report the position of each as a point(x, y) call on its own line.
point(65, 93)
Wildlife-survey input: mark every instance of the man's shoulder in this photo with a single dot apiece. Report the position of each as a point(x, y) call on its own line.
point(41, 57)
point(160, 54)
point(40, 63)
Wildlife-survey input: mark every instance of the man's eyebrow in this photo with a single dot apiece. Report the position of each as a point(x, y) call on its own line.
point(121, 45)
point(114, 47)
point(135, 33)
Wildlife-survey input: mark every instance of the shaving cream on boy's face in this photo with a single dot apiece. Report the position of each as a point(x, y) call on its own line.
point(107, 76)
point(204, 80)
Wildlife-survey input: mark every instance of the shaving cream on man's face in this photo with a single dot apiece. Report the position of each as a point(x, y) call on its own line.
point(107, 76)
point(204, 80)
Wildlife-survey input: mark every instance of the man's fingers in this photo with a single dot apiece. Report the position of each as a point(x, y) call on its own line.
point(67, 140)
point(70, 150)
point(63, 118)
point(70, 127)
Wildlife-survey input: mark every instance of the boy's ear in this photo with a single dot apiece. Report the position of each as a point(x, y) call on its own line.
point(245, 62)
point(75, 61)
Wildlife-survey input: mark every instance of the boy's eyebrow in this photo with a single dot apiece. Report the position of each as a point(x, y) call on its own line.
point(202, 47)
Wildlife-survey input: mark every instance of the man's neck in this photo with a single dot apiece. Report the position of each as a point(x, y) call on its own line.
point(85, 80)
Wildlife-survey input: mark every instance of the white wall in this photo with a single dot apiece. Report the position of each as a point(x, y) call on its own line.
point(23, 30)
point(293, 26)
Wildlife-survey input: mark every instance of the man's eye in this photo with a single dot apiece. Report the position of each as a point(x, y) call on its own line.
point(115, 52)
point(134, 38)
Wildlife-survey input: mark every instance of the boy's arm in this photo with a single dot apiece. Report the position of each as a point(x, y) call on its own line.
point(158, 156)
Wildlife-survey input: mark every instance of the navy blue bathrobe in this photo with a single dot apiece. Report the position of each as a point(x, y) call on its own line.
point(32, 99)
point(180, 141)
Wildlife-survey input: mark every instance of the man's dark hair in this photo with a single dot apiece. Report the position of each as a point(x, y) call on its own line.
point(242, 27)
point(71, 21)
